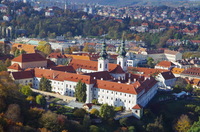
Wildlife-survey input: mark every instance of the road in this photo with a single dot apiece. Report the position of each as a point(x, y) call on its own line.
point(63, 97)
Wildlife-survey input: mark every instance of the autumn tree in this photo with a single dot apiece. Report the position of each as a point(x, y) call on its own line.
point(45, 84)
point(7, 62)
point(86, 121)
point(41, 100)
point(26, 90)
point(79, 113)
point(80, 91)
point(157, 126)
point(107, 111)
point(195, 127)
point(44, 47)
point(183, 124)
point(13, 113)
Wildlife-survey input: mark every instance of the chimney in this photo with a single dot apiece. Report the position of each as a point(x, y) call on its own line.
point(50, 69)
point(129, 81)
point(101, 78)
point(119, 81)
point(94, 78)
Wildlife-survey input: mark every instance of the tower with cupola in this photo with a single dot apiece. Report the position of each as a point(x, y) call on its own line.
point(103, 59)
point(121, 58)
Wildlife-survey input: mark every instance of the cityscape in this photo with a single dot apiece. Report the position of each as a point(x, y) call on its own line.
point(99, 66)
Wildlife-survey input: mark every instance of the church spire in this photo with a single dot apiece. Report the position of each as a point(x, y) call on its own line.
point(122, 51)
point(103, 54)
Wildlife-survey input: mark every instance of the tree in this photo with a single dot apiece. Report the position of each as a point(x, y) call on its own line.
point(2, 66)
point(23, 51)
point(189, 88)
point(123, 121)
point(44, 47)
point(86, 121)
point(94, 128)
point(94, 112)
point(68, 50)
point(49, 120)
point(183, 124)
point(80, 91)
point(195, 127)
point(86, 48)
point(150, 62)
point(13, 113)
point(107, 111)
point(45, 84)
point(26, 90)
point(7, 62)
point(131, 129)
point(157, 126)
point(17, 52)
point(41, 100)
point(79, 113)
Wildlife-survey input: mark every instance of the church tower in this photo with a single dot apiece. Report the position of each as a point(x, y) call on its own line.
point(103, 59)
point(121, 58)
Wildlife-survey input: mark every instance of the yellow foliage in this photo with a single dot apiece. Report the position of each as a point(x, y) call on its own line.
point(183, 124)
point(19, 124)
point(30, 98)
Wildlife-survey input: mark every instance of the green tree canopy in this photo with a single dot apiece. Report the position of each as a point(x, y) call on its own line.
point(45, 84)
point(26, 90)
point(107, 111)
point(41, 100)
point(195, 127)
point(80, 91)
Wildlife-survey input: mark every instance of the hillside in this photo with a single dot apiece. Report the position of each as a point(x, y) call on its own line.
point(137, 2)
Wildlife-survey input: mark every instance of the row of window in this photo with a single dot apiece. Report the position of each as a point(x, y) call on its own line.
point(115, 99)
point(111, 92)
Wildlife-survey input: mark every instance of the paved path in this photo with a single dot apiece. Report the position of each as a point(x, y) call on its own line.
point(63, 97)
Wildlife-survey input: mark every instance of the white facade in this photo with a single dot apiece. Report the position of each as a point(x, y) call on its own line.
point(122, 61)
point(102, 64)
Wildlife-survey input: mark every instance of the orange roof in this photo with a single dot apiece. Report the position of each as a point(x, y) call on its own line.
point(80, 57)
point(56, 55)
point(165, 64)
point(93, 65)
point(61, 76)
point(137, 106)
point(26, 47)
point(134, 88)
point(145, 71)
point(15, 66)
point(29, 58)
point(177, 70)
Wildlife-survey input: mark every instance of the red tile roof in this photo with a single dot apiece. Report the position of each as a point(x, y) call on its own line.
point(93, 65)
point(15, 66)
point(168, 75)
point(29, 58)
point(56, 55)
point(64, 68)
point(137, 106)
point(145, 71)
point(165, 64)
point(22, 75)
point(61, 76)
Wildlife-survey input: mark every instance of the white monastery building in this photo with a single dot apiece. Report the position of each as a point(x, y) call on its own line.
point(106, 82)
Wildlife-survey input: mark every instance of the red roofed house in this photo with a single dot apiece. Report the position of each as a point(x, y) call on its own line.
point(29, 61)
point(167, 65)
point(166, 80)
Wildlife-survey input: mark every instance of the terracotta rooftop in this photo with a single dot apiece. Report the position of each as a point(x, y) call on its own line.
point(26, 47)
point(177, 70)
point(80, 57)
point(137, 106)
point(170, 52)
point(194, 71)
point(145, 71)
point(167, 64)
point(15, 66)
point(61, 76)
point(168, 75)
point(64, 68)
point(29, 58)
point(56, 55)
point(93, 65)
point(22, 75)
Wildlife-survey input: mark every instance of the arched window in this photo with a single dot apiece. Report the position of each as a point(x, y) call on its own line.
point(106, 66)
point(124, 63)
point(100, 65)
